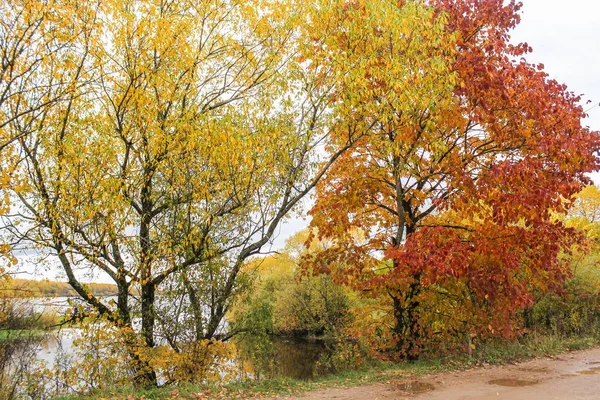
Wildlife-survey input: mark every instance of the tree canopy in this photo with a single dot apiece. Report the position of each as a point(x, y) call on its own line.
point(456, 187)
point(163, 143)
point(186, 138)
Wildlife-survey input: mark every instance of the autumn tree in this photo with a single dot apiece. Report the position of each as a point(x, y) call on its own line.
point(583, 216)
point(191, 133)
point(31, 77)
point(585, 212)
point(574, 309)
point(470, 151)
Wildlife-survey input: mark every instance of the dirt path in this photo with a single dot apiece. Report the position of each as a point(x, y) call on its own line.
point(569, 376)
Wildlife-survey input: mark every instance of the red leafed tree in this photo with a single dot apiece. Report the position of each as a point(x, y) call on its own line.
point(456, 197)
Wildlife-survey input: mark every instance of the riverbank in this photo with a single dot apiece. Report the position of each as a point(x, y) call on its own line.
point(21, 333)
point(484, 356)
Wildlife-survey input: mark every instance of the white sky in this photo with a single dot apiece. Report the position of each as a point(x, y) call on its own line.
point(565, 37)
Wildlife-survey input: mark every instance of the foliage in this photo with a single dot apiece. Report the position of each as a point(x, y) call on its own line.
point(454, 191)
point(184, 134)
point(32, 78)
point(283, 302)
point(584, 215)
point(575, 310)
point(315, 305)
point(17, 313)
point(17, 355)
point(345, 355)
point(98, 360)
point(162, 145)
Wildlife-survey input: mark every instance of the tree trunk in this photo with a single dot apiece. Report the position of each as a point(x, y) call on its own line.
point(148, 314)
point(147, 376)
point(407, 327)
point(196, 308)
point(143, 373)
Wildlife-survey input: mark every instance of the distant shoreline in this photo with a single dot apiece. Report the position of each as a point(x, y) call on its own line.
point(17, 287)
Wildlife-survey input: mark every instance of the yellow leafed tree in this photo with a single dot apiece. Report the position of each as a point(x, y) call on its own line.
point(184, 133)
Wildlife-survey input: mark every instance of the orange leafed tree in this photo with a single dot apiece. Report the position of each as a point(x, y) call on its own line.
point(471, 149)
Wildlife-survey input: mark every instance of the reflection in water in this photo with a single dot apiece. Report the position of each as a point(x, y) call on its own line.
point(17, 356)
point(18, 351)
point(43, 348)
point(592, 371)
point(415, 387)
point(259, 357)
point(296, 358)
point(56, 343)
point(534, 369)
point(509, 382)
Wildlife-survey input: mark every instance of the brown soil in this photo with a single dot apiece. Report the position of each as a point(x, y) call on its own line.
point(573, 375)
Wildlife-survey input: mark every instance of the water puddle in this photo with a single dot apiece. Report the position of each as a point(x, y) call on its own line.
point(510, 382)
point(415, 387)
point(534, 369)
point(592, 371)
point(587, 372)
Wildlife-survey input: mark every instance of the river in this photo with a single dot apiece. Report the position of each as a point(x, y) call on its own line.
point(290, 357)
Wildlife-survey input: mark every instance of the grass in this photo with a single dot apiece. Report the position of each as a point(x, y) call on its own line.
point(6, 334)
point(488, 353)
point(532, 346)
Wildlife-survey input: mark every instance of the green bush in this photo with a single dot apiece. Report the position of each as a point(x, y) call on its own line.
point(314, 306)
point(576, 311)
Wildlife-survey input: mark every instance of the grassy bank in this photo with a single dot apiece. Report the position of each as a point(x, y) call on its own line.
point(489, 353)
point(20, 333)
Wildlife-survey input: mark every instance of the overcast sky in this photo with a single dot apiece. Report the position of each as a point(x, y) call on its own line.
point(565, 36)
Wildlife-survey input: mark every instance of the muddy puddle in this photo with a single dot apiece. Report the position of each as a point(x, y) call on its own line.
point(592, 371)
point(534, 369)
point(510, 382)
point(415, 387)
